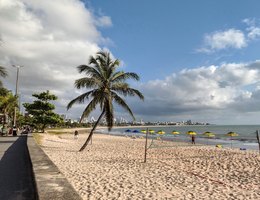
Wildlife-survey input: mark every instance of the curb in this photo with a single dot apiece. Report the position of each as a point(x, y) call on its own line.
point(50, 182)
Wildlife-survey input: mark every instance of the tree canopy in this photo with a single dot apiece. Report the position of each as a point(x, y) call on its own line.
point(42, 110)
point(8, 102)
point(3, 73)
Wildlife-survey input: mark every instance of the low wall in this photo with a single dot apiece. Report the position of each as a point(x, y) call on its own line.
point(51, 184)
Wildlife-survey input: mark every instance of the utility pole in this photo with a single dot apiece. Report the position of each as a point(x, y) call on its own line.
point(16, 91)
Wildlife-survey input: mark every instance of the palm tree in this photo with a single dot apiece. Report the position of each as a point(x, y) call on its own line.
point(8, 102)
point(3, 73)
point(106, 86)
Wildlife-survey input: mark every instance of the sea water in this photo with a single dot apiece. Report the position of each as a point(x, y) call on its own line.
point(246, 138)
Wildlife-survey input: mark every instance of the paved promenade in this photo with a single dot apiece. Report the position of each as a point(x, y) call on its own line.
point(26, 173)
point(16, 176)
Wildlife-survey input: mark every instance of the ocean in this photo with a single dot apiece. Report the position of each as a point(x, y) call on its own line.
point(246, 138)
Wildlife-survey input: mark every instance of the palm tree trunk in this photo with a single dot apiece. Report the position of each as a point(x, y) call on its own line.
point(91, 132)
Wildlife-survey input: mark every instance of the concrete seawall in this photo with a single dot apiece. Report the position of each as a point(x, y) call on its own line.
point(51, 184)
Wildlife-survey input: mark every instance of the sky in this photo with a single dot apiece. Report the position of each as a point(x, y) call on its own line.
point(197, 60)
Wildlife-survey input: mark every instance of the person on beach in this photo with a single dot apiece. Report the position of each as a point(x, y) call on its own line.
point(193, 139)
point(76, 134)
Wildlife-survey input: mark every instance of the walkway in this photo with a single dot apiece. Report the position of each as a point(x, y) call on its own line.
point(16, 176)
point(27, 173)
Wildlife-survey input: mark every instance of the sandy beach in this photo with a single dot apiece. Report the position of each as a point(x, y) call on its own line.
point(112, 168)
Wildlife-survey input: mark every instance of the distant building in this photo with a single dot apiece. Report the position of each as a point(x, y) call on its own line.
point(189, 122)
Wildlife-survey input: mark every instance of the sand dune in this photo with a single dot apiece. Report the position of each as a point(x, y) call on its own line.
point(112, 168)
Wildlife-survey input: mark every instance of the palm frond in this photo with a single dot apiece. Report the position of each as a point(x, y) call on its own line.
point(112, 67)
point(90, 107)
point(102, 54)
point(3, 71)
point(90, 71)
point(126, 91)
point(119, 86)
point(93, 60)
point(83, 68)
point(123, 76)
point(80, 99)
point(115, 75)
point(96, 65)
point(115, 63)
point(136, 92)
point(87, 83)
point(101, 58)
point(122, 103)
point(108, 59)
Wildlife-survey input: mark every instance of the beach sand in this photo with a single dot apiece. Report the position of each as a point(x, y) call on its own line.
point(112, 168)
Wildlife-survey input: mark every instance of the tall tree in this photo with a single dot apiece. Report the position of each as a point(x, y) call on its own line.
point(42, 110)
point(106, 85)
point(3, 73)
point(8, 102)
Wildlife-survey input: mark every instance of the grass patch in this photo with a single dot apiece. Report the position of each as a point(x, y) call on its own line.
point(38, 138)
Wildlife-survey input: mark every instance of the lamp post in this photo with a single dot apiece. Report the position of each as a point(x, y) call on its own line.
point(16, 95)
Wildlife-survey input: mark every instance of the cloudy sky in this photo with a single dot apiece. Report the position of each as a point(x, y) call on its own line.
point(197, 60)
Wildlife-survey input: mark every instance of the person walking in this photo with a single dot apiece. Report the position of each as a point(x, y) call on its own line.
point(193, 139)
point(14, 131)
point(76, 134)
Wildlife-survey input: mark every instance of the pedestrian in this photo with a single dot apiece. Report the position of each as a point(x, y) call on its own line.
point(10, 132)
point(28, 129)
point(76, 134)
point(14, 131)
point(193, 139)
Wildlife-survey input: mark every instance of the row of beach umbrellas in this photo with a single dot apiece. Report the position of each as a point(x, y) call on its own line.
point(174, 132)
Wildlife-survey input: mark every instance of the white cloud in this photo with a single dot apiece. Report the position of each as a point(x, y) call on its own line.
point(254, 32)
point(252, 29)
point(212, 89)
point(49, 38)
point(104, 21)
point(231, 38)
point(249, 21)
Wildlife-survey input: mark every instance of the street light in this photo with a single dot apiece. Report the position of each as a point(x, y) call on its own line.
point(16, 91)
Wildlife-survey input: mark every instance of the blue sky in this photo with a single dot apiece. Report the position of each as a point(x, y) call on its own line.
point(156, 38)
point(197, 60)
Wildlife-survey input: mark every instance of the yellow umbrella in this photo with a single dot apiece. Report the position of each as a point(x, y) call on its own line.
point(209, 134)
point(143, 131)
point(151, 131)
point(161, 132)
point(232, 134)
point(191, 133)
point(175, 132)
